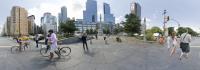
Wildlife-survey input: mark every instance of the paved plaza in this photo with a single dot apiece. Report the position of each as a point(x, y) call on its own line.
point(131, 54)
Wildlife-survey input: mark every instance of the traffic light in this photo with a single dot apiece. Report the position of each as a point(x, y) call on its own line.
point(168, 18)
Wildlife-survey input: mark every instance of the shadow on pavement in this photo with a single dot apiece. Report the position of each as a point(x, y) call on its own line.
point(89, 53)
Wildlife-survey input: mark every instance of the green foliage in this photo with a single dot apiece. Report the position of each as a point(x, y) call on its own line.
point(190, 31)
point(181, 30)
point(60, 37)
point(170, 30)
point(156, 30)
point(88, 31)
point(118, 30)
point(91, 31)
point(150, 32)
point(68, 27)
point(149, 35)
point(106, 31)
point(132, 24)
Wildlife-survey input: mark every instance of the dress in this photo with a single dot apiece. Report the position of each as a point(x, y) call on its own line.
point(53, 40)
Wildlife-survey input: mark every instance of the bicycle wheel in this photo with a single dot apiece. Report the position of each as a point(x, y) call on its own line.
point(44, 52)
point(65, 51)
point(15, 49)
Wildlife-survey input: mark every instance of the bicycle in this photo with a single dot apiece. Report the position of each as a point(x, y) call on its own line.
point(17, 49)
point(62, 51)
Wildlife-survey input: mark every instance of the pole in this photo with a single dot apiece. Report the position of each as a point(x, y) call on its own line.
point(164, 27)
point(82, 26)
point(144, 36)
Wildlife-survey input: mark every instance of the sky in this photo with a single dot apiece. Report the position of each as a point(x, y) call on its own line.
point(186, 12)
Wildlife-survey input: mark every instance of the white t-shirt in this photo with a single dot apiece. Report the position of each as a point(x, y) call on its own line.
point(187, 38)
point(169, 42)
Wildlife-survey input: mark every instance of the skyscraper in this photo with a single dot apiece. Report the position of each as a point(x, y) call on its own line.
point(48, 22)
point(136, 9)
point(62, 17)
point(19, 22)
point(8, 22)
point(31, 24)
point(108, 17)
point(90, 14)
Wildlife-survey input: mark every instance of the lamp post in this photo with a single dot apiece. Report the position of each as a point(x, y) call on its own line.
point(144, 30)
point(166, 18)
point(176, 22)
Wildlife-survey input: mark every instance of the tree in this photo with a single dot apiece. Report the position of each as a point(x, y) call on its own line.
point(132, 24)
point(118, 29)
point(192, 32)
point(91, 31)
point(149, 35)
point(68, 27)
point(156, 30)
point(170, 30)
point(106, 31)
point(181, 30)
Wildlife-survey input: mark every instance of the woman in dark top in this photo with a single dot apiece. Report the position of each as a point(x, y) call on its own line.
point(84, 40)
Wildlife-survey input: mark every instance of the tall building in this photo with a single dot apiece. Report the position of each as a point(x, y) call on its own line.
point(31, 24)
point(8, 22)
point(48, 22)
point(108, 17)
point(19, 22)
point(83, 27)
point(62, 17)
point(90, 14)
point(5, 31)
point(136, 9)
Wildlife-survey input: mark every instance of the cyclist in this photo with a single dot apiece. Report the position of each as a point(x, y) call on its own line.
point(53, 44)
point(24, 40)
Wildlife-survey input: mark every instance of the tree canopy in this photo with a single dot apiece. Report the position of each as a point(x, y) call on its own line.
point(190, 31)
point(68, 27)
point(132, 24)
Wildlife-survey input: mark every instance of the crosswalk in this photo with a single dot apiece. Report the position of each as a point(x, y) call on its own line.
point(5, 46)
point(195, 46)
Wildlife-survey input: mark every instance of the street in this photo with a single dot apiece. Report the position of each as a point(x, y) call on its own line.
point(131, 54)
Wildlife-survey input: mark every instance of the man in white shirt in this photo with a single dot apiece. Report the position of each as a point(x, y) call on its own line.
point(185, 41)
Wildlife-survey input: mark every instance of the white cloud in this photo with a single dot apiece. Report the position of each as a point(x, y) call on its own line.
point(119, 19)
point(74, 9)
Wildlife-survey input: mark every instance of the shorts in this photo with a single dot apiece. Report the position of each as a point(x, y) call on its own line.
point(185, 47)
point(53, 48)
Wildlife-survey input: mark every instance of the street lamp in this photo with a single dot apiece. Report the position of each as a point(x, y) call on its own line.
point(176, 22)
point(144, 30)
point(166, 19)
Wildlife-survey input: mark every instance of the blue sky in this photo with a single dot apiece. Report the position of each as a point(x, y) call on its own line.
point(184, 11)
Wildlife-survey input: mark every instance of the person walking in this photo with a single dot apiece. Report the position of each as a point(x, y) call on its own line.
point(84, 40)
point(185, 41)
point(53, 44)
point(174, 43)
point(36, 40)
point(169, 42)
point(96, 36)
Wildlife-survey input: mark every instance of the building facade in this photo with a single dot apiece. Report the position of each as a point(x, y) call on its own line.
point(8, 22)
point(83, 27)
point(19, 21)
point(136, 9)
point(90, 14)
point(31, 24)
point(62, 17)
point(108, 17)
point(48, 22)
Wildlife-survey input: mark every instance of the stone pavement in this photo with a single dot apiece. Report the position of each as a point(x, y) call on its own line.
point(131, 54)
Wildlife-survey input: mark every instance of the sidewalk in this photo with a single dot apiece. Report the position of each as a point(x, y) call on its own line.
point(132, 55)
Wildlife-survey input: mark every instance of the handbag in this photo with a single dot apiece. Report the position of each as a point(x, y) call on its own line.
point(182, 44)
